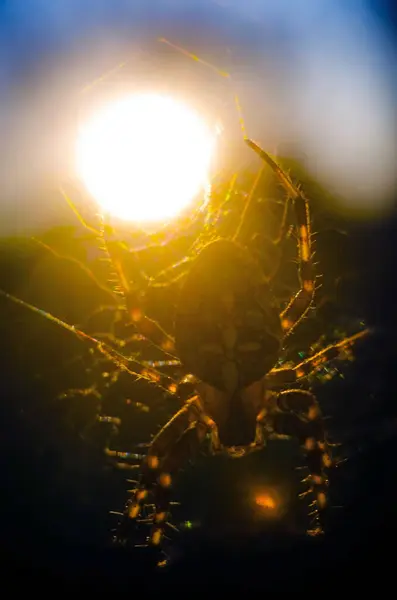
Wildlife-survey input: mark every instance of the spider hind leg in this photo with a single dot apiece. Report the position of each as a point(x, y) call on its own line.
point(298, 415)
point(176, 443)
point(134, 293)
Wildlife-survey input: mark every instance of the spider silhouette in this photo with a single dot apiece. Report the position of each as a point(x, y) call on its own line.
point(228, 335)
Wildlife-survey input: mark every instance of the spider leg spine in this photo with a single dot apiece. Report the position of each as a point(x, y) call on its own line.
point(299, 415)
point(147, 327)
point(332, 352)
point(301, 302)
point(280, 377)
point(178, 440)
point(124, 363)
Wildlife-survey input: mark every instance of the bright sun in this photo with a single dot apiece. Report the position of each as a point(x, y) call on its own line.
point(145, 157)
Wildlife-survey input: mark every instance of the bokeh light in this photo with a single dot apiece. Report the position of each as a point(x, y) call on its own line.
point(145, 157)
point(265, 501)
point(269, 502)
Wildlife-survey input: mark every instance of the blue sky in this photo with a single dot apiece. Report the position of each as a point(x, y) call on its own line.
point(317, 73)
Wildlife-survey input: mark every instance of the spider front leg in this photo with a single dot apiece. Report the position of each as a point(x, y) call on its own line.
point(298, 415)
point(177, 443)
point(301, 302)
point(135, 303)
point(147, 327)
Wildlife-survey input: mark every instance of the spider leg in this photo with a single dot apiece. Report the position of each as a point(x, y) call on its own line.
point(342, 350)
point(135, 299)
point(301, 302)
point(176, 443)
point(298, 415)
point(147, 327)
point(130, 365)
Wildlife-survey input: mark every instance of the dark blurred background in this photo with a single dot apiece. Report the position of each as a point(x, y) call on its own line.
point(317, 84)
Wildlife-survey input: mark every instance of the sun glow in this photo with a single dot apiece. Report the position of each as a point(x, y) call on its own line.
point(145, 158)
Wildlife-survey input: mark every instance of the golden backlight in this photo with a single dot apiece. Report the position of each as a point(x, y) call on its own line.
point(144, 158)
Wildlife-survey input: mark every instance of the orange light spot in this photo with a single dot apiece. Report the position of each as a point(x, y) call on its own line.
point(317, 479)
point(168, 345)
point(173, 388)
point(165, 480)
point(152, 375)
point(141, 495)
point(305, 253)
point(321, 500)
point(304, 243)
point(327, 461)
point(286, 323)
point(265, 501)
point(209, 422)
point(156, 537)
point(133, 511)
point(153, 462)
point(300, 373)
point(260, 417)
point(136, 315)
point(315, 532)
point(303, 232)
point(308, 286)
point(313, 412)
point(310, 443)
point(160, 517)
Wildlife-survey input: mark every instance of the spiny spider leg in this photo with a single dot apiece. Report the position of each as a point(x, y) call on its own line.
point(300, 303)
point(130, 365)
point(298, 415)
point(278, 378)
point(147, 327)
point(177, 443)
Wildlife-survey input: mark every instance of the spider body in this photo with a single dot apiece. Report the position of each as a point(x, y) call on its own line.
point(227, 329)
point(228, 335)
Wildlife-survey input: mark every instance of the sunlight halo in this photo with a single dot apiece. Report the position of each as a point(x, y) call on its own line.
point(145, 157)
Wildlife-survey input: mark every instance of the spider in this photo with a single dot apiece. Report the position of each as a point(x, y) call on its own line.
point(228, 335)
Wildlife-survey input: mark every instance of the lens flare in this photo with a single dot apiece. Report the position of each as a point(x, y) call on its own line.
point(269, 502)
point(265, 501)
point(145, 158)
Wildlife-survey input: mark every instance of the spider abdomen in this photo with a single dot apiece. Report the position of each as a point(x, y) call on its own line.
point(227, 327)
